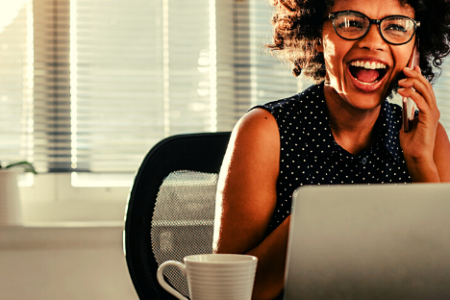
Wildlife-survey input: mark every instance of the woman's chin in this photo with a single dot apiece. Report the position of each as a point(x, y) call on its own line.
point(354, 99)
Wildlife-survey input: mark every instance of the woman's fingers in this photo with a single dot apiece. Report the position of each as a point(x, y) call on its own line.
point(421, 92)
point(420, 84)
point(421, 103)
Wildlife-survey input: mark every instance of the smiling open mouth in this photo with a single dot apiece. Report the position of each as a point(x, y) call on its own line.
point(366, 72)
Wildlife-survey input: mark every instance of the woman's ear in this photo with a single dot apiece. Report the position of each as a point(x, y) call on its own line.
point(319, 46)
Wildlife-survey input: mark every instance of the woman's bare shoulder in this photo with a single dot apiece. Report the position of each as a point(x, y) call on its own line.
point(254, 143)
point(246, 191)
point(258, 125)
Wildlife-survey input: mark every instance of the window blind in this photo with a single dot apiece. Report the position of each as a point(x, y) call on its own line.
point(118, 69)
point(16, 81)
point(442, 92)
point(91, 85)
point(141, 71)
point(137, 71)
point(260, 78)
point(51, 134)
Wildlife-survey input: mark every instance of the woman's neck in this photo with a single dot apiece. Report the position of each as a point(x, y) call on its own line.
point(352, 128)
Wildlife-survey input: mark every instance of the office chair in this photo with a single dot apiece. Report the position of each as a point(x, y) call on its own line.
point(170, 210)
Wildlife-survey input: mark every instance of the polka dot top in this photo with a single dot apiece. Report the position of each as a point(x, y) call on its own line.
point(309, 155)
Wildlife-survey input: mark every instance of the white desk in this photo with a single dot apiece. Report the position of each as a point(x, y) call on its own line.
point(64, 261)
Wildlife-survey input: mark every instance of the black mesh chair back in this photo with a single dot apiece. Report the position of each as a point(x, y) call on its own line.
point(170, 211)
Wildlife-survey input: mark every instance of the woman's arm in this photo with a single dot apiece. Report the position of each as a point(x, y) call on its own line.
point(247, 197)
point(426, 147)
point(437, 168)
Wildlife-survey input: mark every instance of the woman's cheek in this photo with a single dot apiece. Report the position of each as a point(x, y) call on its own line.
point(329, 47)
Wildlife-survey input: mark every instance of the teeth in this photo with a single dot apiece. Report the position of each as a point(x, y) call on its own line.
point(368, 65)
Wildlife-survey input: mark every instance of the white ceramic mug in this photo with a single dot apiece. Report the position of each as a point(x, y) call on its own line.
point(214, 276)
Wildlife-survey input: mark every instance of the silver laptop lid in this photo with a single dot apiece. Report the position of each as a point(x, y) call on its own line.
point(369, 242)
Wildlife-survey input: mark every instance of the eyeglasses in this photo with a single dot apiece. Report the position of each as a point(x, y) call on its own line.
point(353, 25)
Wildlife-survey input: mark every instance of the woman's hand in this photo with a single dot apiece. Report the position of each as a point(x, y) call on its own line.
point(418, 143)
point(425, 147)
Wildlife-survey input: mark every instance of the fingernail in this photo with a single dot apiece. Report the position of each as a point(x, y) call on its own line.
point(408, 68)
point(402, 80)
point(401, 89)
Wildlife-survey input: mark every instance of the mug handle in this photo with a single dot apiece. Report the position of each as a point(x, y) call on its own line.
point(162, 281)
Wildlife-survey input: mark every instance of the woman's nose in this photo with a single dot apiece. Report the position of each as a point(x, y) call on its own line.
point(373, 39)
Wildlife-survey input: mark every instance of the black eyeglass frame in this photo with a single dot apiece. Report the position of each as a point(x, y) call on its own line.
point(332, 16)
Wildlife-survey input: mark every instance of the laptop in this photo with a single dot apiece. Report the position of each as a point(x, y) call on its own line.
point(369, 242)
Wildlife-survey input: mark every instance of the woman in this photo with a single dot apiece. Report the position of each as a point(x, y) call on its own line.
point(339, 131)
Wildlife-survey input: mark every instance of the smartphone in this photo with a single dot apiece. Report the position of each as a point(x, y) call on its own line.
point(409, 107)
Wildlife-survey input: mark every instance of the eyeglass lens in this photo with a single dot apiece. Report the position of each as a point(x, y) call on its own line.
point(353, 25)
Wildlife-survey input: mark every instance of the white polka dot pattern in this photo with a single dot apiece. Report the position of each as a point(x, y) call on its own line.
point(309, 155)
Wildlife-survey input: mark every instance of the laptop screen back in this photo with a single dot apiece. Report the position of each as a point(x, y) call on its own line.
point(369, 242)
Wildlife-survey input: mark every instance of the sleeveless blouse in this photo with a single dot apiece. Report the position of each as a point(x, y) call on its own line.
point(309, 155)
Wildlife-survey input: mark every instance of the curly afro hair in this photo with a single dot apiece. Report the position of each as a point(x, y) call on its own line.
point(298, 31)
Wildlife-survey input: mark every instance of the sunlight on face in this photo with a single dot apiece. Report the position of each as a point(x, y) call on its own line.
point(339, 53)
point(329, 52)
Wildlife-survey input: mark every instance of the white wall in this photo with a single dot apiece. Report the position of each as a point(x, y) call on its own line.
point(64, 261)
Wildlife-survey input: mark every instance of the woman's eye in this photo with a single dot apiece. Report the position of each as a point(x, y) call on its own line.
point(350, 24)
point(396, 27)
